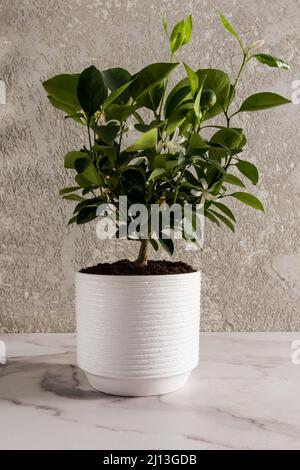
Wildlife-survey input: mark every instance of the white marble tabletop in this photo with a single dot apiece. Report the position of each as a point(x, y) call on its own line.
point(243, 395)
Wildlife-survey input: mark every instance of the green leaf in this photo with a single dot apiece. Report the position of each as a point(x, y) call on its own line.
point(63, 89)
point(174, 121)
point(81, 164)
point(249, 170)
point(193, 78)
point(165, 23)
point(197, 142)
point(70, 111)
point(73, 197)
point(116, 77)
point(168, 245)
point(146, 141)
point(148, 77)
point(73, 220)
point(151, 99)
point(211, 217)
point(223, 219)
point(261, 101)
point(91, 90)
point(156, 173)
point(68, 190)
point(219, 82)
point(229, 138)
point(86, 215)
point(107, 133)
point(232, 179)
point(231, 30)
point(166, 161)
point(117, 95)
point(71, 157)
point(271, 61)
point(94, 202)
point(82, 181)
point(250, 200)
point(120, 112)
point(180, 93)
point(146, 127)
point(154, 244)
point(181, 34)
point(87, 175)
point(91, 175)
point(118, 81)
point(224, 209)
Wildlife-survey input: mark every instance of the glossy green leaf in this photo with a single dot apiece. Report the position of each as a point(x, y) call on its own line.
point(180, 93)
point(154, 244)
point(197, 142)
point(193, 78)
point(232, 138)
point(249, 170)
point(71, 157)
point(175, 120)
point(232, 179)
point(63, 89)
point(146, 141)
point(116, 77)
point(165, 23)
point(223, 219)
point(261, 101)
point(73, 220)
point(229, 138)
point(156, 173)
point(88, 177)
point(181, 34)
point(219, 82)
point(168, 245)
point(70, 189)
point(151, 99)
point(94, 202)
point(86, 215)
point(271, 61)
point(107, 133)
point(250, 200)
point(82, 181)
point(120, 112)
point(148, 77)
point(118, 95)
point(231, 29)
point(72, 112)
point(91, 174)
point(211, 217)
point(73, 197)
point(81, 164)
point(166, 161)
point(224, 209)
point(91, 90)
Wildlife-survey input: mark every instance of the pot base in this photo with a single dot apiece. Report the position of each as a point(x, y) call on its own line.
point(137, 387)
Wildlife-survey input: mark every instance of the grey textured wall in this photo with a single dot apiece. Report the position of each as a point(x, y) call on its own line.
point(251, 280)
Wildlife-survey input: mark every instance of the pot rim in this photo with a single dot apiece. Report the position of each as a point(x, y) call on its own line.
point(137, 276)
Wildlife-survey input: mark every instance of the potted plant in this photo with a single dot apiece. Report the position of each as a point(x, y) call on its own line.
point(138, 322)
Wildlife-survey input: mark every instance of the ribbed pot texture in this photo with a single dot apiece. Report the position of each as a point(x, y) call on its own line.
point(137, 335)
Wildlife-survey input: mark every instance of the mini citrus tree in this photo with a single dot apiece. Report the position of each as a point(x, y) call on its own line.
point(170, 162)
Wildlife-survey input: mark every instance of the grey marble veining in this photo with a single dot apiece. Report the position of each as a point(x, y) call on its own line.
point(243, 395)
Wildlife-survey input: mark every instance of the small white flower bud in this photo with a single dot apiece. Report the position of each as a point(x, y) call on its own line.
point(257, 44)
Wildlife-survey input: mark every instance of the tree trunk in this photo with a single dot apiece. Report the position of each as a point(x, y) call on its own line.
point(143, 253)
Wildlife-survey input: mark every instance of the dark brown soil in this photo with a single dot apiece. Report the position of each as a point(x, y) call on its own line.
point(130, 268)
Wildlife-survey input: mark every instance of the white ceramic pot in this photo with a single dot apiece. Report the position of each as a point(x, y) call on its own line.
point(137, 335)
